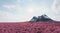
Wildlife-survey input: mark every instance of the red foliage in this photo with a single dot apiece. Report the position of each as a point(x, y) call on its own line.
point(30, 27)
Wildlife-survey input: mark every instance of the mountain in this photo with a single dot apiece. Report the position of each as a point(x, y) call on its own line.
point(41, 18)
point(34, 19)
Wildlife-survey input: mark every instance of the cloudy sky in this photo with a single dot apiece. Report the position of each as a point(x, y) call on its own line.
point(24, 10)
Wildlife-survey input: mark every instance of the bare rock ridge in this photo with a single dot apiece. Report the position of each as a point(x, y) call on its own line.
point(41, 18)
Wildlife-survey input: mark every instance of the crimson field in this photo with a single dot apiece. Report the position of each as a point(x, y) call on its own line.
point(30, 27)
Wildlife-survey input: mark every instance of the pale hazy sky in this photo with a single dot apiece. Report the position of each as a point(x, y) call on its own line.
point(24, 10)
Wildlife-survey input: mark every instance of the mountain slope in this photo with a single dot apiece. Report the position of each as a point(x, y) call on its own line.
point(41, 18)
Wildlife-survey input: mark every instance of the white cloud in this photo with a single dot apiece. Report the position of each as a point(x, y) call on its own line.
point(30, 9)
point(23, 0)
point(56, 5)
point(10, 17)
point(36, 10)
point(7, 16)
point(9, 6)
point(30, 0)
point(22, 13)
point(18, 0)
point(56, 9)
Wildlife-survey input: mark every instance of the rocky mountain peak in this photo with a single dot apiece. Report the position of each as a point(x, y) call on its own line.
point(41, 18)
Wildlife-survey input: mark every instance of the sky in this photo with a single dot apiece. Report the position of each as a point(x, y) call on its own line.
point(24, 10)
